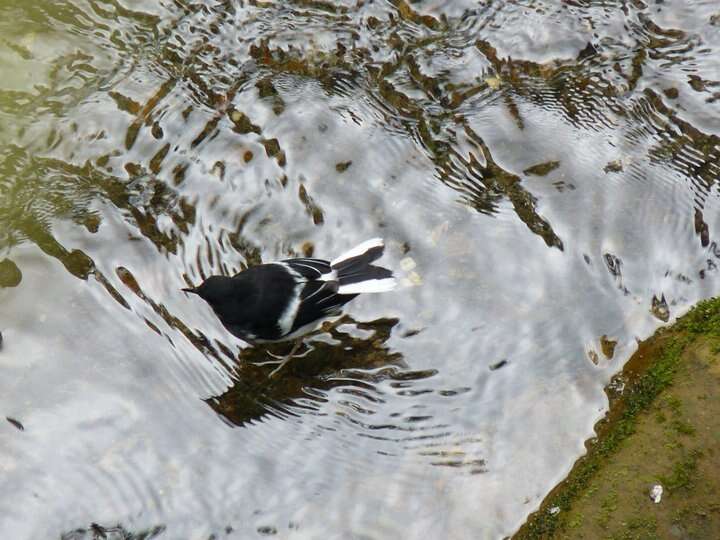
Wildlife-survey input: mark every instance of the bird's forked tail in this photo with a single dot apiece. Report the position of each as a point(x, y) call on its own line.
point(356, 275)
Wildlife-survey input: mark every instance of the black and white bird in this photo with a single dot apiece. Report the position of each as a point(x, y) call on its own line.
point(285, 300)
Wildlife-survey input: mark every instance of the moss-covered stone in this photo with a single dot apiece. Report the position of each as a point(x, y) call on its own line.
point(10, 275)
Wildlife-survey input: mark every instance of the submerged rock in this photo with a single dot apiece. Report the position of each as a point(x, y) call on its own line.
point(10, 275)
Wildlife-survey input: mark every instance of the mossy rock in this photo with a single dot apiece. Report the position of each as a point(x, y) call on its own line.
point(10, 275)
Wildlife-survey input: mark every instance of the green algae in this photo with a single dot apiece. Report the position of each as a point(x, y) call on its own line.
point(683, 472)
point(10, 274)
point(542, 169)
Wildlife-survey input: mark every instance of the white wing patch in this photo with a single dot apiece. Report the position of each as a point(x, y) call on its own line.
point(287, 319)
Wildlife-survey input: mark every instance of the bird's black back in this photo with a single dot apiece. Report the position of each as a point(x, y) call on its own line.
point(251, 302)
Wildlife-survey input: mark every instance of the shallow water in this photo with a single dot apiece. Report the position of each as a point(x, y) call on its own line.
point(543, 173)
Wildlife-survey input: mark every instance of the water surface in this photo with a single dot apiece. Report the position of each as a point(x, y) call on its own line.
point(544, 175)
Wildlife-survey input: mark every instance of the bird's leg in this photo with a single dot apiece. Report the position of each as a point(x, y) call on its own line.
point(278, 357)
point(287, 358)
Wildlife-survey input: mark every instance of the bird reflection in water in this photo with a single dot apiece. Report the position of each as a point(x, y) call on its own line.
point(254, 395)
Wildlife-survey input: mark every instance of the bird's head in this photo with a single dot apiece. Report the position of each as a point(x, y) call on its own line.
point(214, 290)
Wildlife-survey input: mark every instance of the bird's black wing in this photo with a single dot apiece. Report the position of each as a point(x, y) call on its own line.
point(309, 268)
point(319, 298)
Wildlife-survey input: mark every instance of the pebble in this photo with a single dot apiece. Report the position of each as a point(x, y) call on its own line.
point(656, 493)
point(407, 264)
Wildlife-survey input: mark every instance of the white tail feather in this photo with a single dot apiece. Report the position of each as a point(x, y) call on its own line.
point(368, 286)
point(358, 250)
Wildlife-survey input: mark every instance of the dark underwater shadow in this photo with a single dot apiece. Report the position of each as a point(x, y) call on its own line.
point(116, 532)
point(301, 386)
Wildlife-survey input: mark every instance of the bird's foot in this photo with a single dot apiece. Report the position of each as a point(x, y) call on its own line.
point(308, 350)
point(285, 359)
point(277, 369)
point(280, 360)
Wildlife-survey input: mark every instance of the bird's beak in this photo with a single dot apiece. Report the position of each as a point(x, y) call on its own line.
point(190, 290)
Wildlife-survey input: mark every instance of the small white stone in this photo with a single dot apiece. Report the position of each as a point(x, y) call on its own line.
point(407, 264)
point(493, 82)
point(415, 278)
point(554, 510)
point(656, 493)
